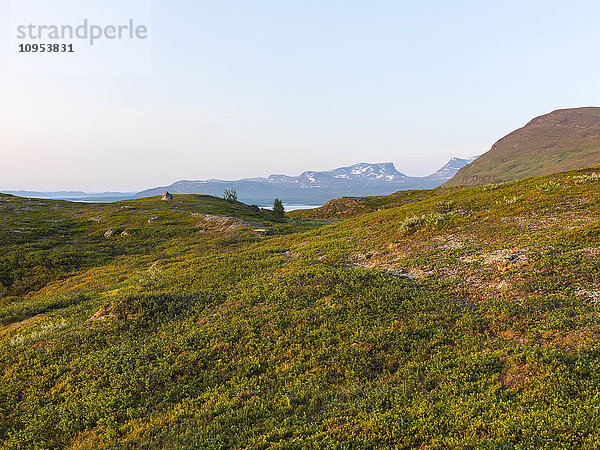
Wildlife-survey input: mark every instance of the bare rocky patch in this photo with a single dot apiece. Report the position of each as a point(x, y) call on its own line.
point(567, 220)
point(223, 223)
point(16, 325)
point(505, 258)
point(591, 295)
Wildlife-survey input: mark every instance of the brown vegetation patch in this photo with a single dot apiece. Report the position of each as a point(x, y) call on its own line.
point(516, 374)
point(113, 311)
point(340, 208)
point(85, 440)
point(570, 341)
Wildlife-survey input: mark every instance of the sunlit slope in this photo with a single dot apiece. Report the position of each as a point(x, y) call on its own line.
point(566, 139)
point(464, 319)
point(346, 207)
point(44, 241)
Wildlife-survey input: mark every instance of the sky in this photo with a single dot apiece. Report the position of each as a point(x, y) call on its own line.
point(250, 88)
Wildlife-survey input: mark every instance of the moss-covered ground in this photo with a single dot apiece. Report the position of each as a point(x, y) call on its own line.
point(454, 318)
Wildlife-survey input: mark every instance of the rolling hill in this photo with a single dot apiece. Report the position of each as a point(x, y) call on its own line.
point(565, 139)
point(454, 318)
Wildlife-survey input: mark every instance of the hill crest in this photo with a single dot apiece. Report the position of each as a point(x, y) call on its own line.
point(565, 139)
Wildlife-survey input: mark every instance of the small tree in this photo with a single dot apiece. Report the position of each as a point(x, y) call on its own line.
point(278, 209)
point(230, 195)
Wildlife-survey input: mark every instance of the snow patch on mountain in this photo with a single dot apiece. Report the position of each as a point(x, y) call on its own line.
point(452, 167)
point(314, 187)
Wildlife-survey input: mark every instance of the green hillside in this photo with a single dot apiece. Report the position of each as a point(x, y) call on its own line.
point(460, 318)
point(566, 139)
point(346, 207)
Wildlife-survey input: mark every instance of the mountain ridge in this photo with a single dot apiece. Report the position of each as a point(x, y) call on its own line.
point(318, 186)
point(310, 187)
point(565, 139)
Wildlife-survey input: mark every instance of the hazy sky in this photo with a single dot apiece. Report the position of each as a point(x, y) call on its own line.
point(249, 88)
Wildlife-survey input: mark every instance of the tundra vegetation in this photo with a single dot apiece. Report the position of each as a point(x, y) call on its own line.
point(454, 318)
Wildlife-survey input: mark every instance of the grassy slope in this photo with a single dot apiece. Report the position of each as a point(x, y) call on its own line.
point(562, 140)
point(45, 240)
point(468, 318)
point(346, 207)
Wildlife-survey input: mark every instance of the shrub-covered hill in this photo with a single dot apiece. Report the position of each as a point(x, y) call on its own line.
point(466, 319)
point(346, 207)
point(565, 139)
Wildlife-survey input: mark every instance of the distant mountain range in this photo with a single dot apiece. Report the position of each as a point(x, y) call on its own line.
point(78, 196)
point(314, 188)
point(309, 188)
point(566, 139)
